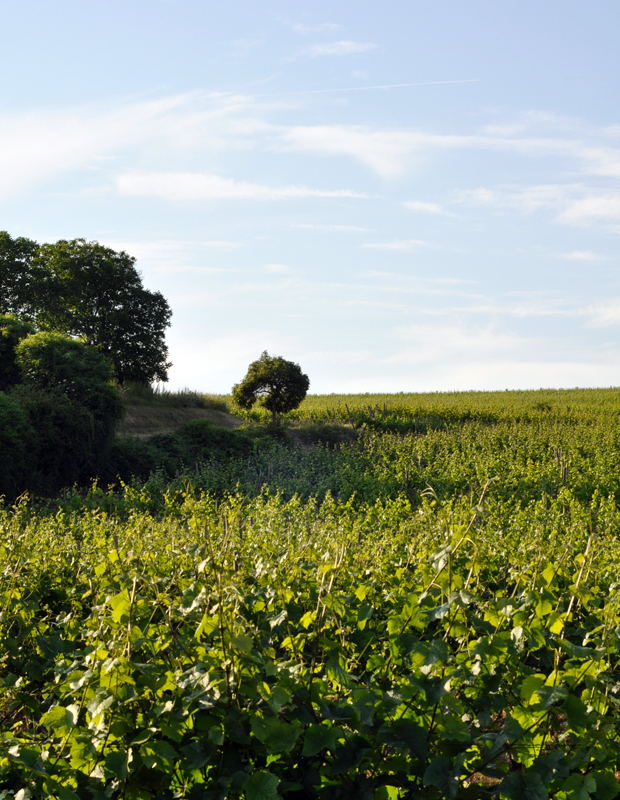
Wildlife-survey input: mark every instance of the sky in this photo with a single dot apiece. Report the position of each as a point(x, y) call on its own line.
point(398, 196)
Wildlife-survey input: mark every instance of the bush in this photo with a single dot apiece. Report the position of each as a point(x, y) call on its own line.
point(196, 442)
point(12, 331)
point(63, 447)
point(16, 440)
point(51, 362)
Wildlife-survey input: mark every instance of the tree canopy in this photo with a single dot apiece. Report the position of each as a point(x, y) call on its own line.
point(20, 278)
point(275, 383)
point(83, 289)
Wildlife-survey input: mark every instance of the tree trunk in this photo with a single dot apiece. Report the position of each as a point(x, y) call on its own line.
point(273, 419)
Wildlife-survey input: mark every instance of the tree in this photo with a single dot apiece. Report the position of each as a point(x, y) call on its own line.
point(20, 278)
point(12, 331)
point(96, 293)
point(51, 362)
point(276, 384)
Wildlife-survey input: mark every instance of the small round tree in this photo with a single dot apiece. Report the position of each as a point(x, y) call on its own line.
point(275, 383)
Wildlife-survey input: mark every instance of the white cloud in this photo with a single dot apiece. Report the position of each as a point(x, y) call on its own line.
point(575, 204)
point(403, 245)
point(341, 48)
point(426, 208)
point(526, 198)
point(592, 207)
point(277, 268)
point(605, 314)
point(39, 145)
point(171, 255)
point(338, 228)
point(581, 255)
point(386, 152)
point(205, 186)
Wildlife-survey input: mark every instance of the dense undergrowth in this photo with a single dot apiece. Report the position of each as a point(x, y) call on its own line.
point(400, 614)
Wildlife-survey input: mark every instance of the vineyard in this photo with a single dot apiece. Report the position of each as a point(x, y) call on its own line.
point(409, 596)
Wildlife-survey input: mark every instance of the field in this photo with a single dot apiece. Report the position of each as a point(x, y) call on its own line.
point(399, 596)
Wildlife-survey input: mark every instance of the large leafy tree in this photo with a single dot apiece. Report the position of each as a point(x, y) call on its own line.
point(12, 331)
point(97, 294)
point(20, 277)
point(275, 383)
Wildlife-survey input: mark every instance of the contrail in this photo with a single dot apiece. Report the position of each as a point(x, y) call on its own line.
point(364, 88)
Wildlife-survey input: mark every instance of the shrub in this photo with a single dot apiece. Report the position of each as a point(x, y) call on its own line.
point(63, 447)
point(12, 331)
point(55, 363)
point(16, 440)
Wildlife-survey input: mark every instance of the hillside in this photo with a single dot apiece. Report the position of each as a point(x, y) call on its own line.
point(147, 414)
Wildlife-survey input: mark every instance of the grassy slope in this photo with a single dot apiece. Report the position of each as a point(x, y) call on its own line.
point(149, 413)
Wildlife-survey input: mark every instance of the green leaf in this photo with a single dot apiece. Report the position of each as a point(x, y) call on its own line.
point(550, 695)
point(195, 757)
point(117, 763)
point(512, 729)
point(576, 713)
point(607, 787)
point(576, 651)
point(579, 787)
point(455, 729)
point(336, 669)
point(64, 793)
point(208, 625)
point(242, 642)
point(120, 605)
point(60, 720)
point(158, 755)
point(530, 686)
point(405, 733)
point(320, 737)
point(279, 619)
point(277, 736)
point(349, 755)
point(523, 786)
point(440, 773)
point(262, 786)
point(548, 574)
point(551, 766)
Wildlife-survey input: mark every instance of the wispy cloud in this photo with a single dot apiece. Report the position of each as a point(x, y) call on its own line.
point(341, 48)
point(605, 314)
point(581, 255)
point(205, 186)
point(406, 245)
point(426, 208)
point(277, 268)
point(574, 204)
point(592, 207)
point(337, 228)
point(172, 255)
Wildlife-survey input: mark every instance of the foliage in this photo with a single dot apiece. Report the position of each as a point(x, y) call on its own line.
point(65, 442)
point(252, 649)
point(53, 362)
point(406, 615)
point(20, 278)
point(16, 438)
point(97, 293)
point(58, 422)
point(189, 448)
point(12, 331)
point(278, 385)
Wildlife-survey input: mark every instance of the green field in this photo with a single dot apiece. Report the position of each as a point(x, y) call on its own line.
point(396, 596)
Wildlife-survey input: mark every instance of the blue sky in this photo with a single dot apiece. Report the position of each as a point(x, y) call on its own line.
point(399, 196)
